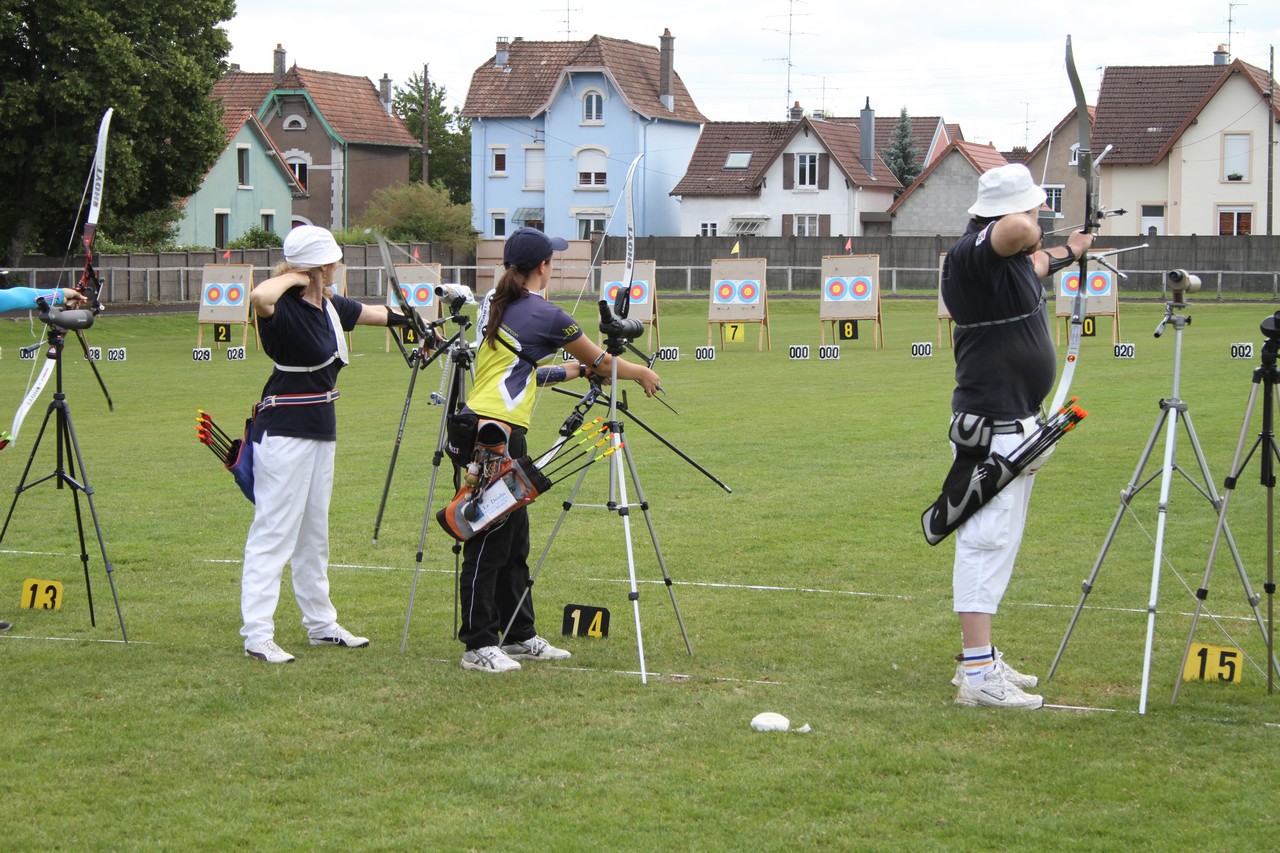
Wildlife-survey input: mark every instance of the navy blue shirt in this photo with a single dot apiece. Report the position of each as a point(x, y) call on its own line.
point(1003, 370)
point(300, 334)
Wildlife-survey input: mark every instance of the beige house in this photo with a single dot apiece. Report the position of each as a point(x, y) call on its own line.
point(1190, 148)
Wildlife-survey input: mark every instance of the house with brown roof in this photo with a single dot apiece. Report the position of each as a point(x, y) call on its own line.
point(930, 136)
point(1189, 147)
point(335, 132)
point(802, 177)
point(938, 201)
point(248, 185)
point(556, 125)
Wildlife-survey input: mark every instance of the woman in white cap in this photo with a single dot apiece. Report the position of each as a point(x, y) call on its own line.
point(1005, 366)
point(518, 328)
point(301, 322)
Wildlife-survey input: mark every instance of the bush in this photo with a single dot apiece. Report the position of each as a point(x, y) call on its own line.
point(420, 213)
point(256, 237)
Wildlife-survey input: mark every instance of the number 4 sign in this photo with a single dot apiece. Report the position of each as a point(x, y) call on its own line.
point(581, 620)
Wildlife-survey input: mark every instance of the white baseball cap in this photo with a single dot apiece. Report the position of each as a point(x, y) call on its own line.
point(310, 246)
point(1007, 189)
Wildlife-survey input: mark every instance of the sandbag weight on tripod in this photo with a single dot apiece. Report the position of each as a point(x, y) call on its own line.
point(516, 483)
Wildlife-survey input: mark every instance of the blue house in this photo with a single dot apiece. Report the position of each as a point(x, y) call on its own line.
point(248, 185)
point(555, 125)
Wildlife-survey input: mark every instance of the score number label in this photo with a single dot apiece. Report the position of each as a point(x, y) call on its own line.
point(1212, 663)
point(41, 595)
point(1244, 350)
point(581, 620)
point(923, 349)
point(1125, 350)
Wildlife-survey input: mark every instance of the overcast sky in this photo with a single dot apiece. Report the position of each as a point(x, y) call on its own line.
point(995, 67)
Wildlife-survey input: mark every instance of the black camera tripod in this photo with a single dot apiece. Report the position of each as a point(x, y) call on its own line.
point(68, 457)
point(1264, 377)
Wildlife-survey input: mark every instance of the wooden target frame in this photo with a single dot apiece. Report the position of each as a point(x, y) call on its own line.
point(224, 300)
point(739, 294)
point(851, 291)
point(644, 292)
point(418, 282)
point(944, 315)
point(1102, 301)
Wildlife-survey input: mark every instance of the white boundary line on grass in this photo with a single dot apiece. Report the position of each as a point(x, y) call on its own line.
point(10, 636)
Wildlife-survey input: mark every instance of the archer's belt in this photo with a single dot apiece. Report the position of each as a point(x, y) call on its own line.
point(295, 400)
point(1006, 427)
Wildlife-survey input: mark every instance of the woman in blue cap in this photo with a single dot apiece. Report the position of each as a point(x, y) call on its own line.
point(519, 329)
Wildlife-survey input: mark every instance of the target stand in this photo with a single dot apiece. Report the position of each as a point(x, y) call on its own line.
point(1103, 292)
point(739, 296)
point(224, 302)
point(944, 314)
point(851, 292)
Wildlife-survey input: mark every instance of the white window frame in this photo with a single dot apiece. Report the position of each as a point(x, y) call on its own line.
point(1236, 210)
point(1237, 149)
point(593, 98)
point(294, 122)
point(708, 229)
point(597, 180)
point(243, 179)
point(807, 163)
point(535, 167)
point(805, 224)
point(496, 151)
point(747, 224)
point(1053, 198)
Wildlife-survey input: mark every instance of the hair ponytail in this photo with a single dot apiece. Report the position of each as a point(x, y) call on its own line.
point(509, 289)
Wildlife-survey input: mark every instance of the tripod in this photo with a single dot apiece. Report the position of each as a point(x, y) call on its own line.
point(1264, 376)
point(618, 502)
point(455, 397)
point(68, 456)
point(1172, 411)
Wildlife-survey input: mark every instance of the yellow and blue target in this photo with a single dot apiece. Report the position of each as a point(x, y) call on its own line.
point(725, 292)
point(223, 294)
point(418, 295)
point(639, 291)
point(836, 289)
point(1099, 283)
point(748, 292)
point(860, 288)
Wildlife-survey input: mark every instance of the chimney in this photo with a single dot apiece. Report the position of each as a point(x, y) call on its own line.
point(1220, 56)
point(796, 112)
point(666, 70)
point(384, 92)
point(278, 67)
point(867, 131)
point(501, 52)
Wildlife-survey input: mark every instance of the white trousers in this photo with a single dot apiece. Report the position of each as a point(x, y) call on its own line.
point(988, 541)
point(293, 482)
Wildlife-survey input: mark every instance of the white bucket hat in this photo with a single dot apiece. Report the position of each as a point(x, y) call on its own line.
point(310, 246)
point(1007, 189)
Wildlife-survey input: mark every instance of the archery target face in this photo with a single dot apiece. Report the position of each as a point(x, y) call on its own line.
point(1100, 283)
point(724, 293)
point(837, 288)
point(639, 291)
point(1070, 283)
point(749, 292)
point(419, 295)
point(860, 288)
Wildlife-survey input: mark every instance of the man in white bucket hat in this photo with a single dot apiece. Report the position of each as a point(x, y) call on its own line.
point(1005, 366)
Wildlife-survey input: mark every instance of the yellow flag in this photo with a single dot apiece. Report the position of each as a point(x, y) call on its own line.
point(734, 250)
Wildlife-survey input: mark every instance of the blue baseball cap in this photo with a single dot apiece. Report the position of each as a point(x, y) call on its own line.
point(528, 247)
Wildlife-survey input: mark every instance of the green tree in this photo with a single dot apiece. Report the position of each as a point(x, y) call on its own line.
point(62, 63)
point(420, 212)
point(448, 135)
point(901, 156)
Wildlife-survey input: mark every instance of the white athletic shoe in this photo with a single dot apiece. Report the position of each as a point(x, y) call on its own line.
point(341, 637)
point(996, 692)
point(535, 648)
point(488, 659)
point(1017, 679)
point(268, 651)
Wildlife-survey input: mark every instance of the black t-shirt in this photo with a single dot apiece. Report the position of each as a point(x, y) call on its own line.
point(299, 334)
point(1007, 369)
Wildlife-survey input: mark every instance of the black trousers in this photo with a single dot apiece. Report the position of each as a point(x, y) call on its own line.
point(495, 573)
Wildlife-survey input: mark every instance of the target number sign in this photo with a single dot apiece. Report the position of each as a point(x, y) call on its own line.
point(847, 330)
point(41, 595)
point(222, 333)
point(1212, 663)
point(581, 620)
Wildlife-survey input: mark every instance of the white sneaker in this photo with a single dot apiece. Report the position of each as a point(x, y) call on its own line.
point(340, 636)
point(268, 651)
point(1017, 679)
point(535, 648)
point(996, 692)
point(488, 659)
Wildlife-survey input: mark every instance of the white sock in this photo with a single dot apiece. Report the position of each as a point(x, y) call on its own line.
point(978, 663)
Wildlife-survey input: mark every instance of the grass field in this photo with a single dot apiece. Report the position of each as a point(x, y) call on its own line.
point(808, 591)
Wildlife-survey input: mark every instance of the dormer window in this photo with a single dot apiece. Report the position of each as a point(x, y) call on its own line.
point(295, 122)
point(592, 107)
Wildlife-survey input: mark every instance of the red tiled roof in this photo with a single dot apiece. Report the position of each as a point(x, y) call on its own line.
point(350, 104)
point(982, 158)
point(235, 119)
point(707, 175)
point(923, 129)
point(526, 84)
point(1143, 109)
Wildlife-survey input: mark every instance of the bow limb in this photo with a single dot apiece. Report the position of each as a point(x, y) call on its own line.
point(1092, 215)
point(629, 263)
point(416, 322)
point(28, 401)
